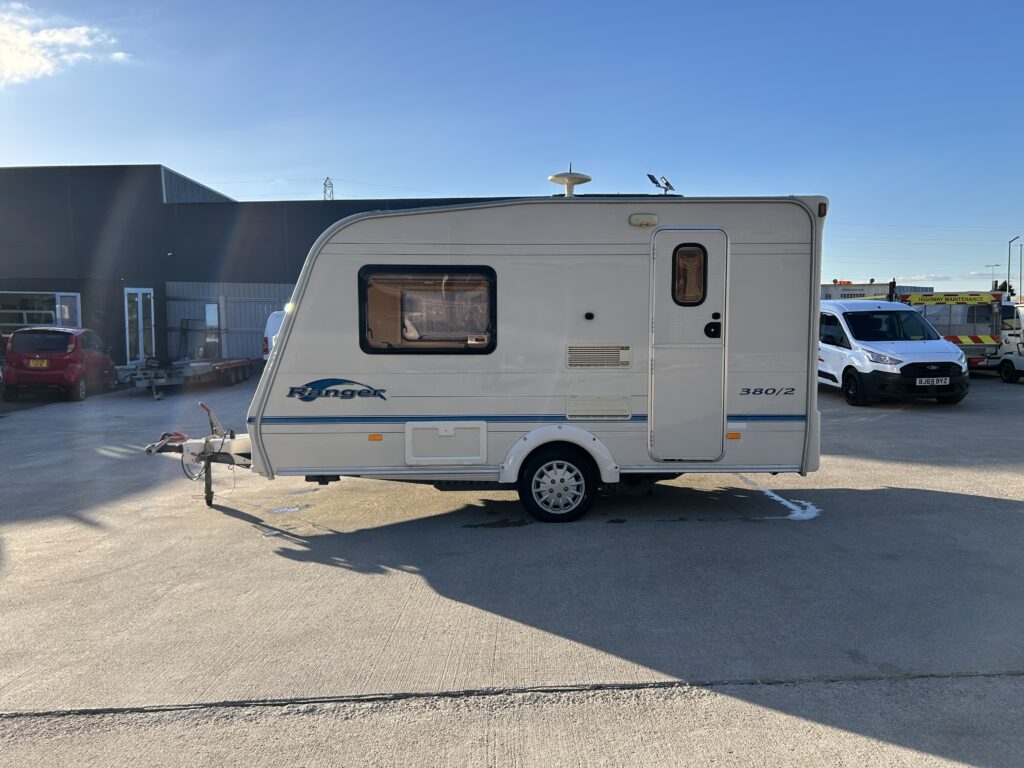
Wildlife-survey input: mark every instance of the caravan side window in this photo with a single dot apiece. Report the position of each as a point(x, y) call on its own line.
point(689, 274)
point(427, 310)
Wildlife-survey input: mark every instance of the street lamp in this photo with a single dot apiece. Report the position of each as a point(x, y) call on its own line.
point(1009, 258)
point(993, 267)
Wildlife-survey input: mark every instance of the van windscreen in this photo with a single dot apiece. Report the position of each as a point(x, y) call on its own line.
point(885, 325)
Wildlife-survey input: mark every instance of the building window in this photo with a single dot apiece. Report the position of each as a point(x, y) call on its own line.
point(427, 310)
point(689, 274)
point(24, 309)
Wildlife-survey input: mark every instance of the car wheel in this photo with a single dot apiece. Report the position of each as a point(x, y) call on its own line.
point(853, 388)
point(950, 399)
point(78, 390)
point(557, 485)
point(1008, 373)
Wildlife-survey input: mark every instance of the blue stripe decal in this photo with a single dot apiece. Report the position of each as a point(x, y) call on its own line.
point(530, 419)
point(768, 417)
point(527, 419)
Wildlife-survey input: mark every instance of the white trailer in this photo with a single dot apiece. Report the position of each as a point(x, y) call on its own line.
point(552, 345)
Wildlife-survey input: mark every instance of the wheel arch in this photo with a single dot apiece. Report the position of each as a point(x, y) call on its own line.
point(607, 467)
point(848, 368)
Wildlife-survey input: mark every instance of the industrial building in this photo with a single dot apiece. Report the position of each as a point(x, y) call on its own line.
point(838, 290)
point(158, 264)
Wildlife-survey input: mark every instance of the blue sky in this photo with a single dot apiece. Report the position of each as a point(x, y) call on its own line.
point(907, 115)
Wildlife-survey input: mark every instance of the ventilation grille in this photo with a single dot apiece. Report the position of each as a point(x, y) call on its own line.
point(604, 356)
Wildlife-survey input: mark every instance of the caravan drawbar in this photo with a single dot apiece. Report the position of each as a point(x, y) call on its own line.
point(553, 345)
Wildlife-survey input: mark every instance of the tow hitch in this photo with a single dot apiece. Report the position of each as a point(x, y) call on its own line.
point(198, 453)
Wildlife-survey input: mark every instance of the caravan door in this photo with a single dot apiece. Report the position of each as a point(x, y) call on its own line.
point(686, 420)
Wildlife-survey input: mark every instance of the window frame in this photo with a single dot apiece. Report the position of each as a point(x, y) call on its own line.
point(675, 275)
point(369, 270)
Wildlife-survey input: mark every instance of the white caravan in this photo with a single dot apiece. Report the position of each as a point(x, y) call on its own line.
point(553, 345)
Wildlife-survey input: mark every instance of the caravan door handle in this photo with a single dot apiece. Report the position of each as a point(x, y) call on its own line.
point(713, 330)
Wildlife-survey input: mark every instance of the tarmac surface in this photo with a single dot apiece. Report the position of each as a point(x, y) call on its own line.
point(374, 623)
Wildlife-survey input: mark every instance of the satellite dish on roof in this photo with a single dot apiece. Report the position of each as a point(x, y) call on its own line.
point(569, 179)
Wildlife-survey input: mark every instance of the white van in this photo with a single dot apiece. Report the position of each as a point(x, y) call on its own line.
point(549, 345)
point(876, 350)
point(271, 331)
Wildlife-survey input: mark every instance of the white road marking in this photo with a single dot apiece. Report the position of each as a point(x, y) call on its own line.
point(798, 509)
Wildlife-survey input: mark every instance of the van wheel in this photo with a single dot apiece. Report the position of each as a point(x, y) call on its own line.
point(557, 485)
point(78, 390)
point(853, 388)
point(1008, 373)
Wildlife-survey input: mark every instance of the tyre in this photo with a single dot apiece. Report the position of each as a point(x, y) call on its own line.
point(1008, 373)
point(78, 390)
point(950, 399)
point(110, 381)
point(853, 388)
point(557, 485)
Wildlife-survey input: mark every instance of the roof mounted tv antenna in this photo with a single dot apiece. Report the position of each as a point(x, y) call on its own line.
point(569, 180)
point(664, 185)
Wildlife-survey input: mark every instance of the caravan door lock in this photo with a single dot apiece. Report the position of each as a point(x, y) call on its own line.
point(713, 330)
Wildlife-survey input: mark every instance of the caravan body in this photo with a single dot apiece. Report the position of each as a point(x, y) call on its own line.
point(643, 336)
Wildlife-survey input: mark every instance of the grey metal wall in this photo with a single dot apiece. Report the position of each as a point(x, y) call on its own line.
point(243, 309)
point(182, 189)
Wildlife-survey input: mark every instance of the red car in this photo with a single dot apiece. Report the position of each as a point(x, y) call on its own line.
point(70, 359)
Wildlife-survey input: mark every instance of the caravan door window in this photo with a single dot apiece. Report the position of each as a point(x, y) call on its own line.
point(689, 274)
point(424, 310)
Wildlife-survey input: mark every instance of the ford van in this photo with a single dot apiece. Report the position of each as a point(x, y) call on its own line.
point(876, 350)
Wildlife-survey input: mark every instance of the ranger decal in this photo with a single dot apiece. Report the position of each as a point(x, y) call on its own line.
point(327, 388)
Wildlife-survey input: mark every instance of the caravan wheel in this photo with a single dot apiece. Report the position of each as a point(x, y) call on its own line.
point(557, 485)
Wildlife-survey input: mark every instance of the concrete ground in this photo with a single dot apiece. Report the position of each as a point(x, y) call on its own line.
point(36, 399)
point(369, 623)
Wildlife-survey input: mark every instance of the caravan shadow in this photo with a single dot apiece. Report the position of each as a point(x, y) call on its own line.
point(711, 586)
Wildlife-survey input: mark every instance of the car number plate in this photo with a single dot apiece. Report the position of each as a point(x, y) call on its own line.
point(934, 382)
point(38, 363)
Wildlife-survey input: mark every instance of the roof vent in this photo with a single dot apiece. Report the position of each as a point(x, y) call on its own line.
point(569, 180)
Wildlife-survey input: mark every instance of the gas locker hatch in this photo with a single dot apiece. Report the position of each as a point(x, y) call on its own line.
point(687, 418)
